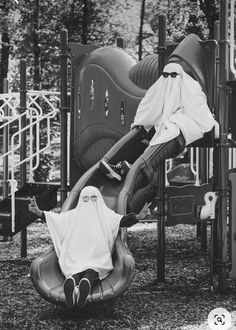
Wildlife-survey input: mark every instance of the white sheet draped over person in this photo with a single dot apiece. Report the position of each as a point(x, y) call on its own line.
point(175, 102)
point(84, 237)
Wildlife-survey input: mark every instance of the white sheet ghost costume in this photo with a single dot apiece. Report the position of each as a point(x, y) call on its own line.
point(84, 237)
point(174, 104)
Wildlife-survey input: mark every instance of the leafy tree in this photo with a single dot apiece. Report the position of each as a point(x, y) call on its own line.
point(210, 9)
point(197, 22)
point(140, 39)
point(7, 8)
point(84, 20)
point(37, 40)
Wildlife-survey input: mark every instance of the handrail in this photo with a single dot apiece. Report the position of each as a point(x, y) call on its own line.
point(195, 171)
point(34, 113)
point(29, 158)
point(232, 61)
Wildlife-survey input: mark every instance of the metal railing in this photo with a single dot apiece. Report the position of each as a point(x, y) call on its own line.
point(41, 108)
point(232, 42)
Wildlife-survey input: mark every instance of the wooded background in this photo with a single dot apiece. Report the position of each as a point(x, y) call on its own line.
point(30, 29)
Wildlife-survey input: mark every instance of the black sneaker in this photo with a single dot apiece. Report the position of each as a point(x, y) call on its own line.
point(112, 171)
point(69, 290)
point(125, 167)
point(84, 289)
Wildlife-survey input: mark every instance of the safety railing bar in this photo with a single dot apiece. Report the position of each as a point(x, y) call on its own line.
point(34, 103)
point(168, 168)
point(31, 156)
point(6, 102)
point(49, 102)
point(45, 147)
point(9, 95)
point(22, 130)
point(7, 117)
point(35, 92)
point(195, 172)
point(232, 63)
point(2, 114)
point(9, 102)
point(38, 120)
point(29, 92)
point(31, 117)
point(18, 146)
point(37, 147)
point(14, 119)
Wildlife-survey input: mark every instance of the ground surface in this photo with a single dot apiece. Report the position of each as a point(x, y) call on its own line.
point(182, 302)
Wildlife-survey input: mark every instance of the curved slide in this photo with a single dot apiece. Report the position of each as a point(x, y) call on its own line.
point(45, 272)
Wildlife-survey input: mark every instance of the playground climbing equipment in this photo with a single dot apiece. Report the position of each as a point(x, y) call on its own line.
point(23, 144)
point(106, 88)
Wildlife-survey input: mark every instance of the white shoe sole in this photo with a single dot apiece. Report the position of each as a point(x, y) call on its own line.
point(108, 171)
point(84, 289)
point(69, 290)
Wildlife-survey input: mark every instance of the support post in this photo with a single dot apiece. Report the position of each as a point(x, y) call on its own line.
point(216, 148)
point(223, 148)
point(23, 172)
point(64, 109)
point(203, 179)
point(5, 144)
point(161, 169)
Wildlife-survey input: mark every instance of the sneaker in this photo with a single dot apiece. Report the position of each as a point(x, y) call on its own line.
point(84, 289)
point(69, 290)
point(125, 167)
point(112, 171)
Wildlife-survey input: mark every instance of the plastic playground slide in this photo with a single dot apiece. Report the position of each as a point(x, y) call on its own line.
point(45, 272)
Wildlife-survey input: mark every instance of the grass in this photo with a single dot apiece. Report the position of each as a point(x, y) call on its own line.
point(182, 302)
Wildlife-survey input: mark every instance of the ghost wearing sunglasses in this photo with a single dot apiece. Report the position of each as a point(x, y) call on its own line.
point(83, 240)
point(175, 103)
point(83, 237)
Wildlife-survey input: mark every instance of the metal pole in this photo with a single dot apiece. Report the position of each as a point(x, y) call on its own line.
point(161, 42)
point(216, 149)
point(203, 179)
point(64, 110)
point(223, 148)
point(23, 171)
point(5, 144)
point(161, 173)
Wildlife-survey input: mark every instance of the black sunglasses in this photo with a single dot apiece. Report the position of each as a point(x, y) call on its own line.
point(86, 198)
point(172, 74)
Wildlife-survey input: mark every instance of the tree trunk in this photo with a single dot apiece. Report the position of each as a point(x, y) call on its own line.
point(4, 62)
point(140, 38)
point(85, 22)
point(36, 48)
point(4, 57)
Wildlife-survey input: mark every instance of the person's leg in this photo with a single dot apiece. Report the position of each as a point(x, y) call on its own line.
point(116, 162)
point(144, 168)
point(84, 288)
point(115, 171)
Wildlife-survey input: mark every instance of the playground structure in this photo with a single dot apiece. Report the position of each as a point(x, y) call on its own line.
point(106, 88)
